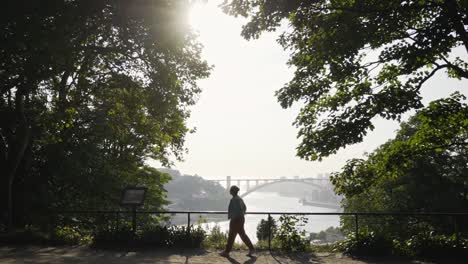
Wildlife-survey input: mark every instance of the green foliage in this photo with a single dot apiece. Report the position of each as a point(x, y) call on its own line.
point(89, 91)
point(151, 236)
point(356, 60)
point(63, 235)
point(289, 236)
point(66, 235)
point(428, 244)
point(194, 240)
point(216, 239)
point(422, 169)
point(266, 229)
point(425, 244)
point(366, 244)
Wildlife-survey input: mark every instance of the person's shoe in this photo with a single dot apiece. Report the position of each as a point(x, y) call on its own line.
point(251, 253)
point(224, 254)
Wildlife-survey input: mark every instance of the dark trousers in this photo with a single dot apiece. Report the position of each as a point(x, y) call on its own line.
point(236, 226)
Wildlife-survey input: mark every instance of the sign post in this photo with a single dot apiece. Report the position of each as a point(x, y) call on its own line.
point(133, 197)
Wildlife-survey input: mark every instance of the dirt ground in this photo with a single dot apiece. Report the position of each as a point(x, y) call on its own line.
point(67, 255)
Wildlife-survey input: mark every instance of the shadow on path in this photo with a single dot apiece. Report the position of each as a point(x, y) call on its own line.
point(79, 255)
point(250, 261)
point(297, 257)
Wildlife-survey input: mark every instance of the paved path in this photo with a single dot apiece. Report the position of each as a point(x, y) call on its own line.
point(68, 255)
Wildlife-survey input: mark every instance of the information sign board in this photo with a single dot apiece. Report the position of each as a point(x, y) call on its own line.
point(133, 196)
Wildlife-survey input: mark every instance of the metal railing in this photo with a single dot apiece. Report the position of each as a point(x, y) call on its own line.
point(356, 215)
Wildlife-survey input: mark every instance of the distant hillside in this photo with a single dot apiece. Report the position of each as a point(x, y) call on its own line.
point(187, 192)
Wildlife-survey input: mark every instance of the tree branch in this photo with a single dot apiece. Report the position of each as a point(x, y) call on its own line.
point(463, 73)
point(452, 12)
point(430, 75)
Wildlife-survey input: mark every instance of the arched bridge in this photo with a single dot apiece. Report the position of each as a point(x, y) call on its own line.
point(265, 184)
point(321, 185)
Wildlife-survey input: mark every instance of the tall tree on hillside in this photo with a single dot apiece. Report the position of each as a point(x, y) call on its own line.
point(355, 60)
point(91, 89)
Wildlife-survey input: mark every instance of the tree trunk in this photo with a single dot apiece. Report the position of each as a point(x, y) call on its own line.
point(16, 150)
point(3, 179)
point(454, 14)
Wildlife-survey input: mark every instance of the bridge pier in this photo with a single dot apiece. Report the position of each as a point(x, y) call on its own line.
point(228, 182)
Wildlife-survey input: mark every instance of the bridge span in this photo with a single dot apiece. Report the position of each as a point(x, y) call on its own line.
point(259, 183)
point(317, 184)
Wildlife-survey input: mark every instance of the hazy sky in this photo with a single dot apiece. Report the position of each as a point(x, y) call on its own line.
point(241, 129)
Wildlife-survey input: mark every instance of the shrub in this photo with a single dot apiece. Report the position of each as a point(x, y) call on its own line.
point(157, 236)
point(366, 244)
point(216, 239)
point(262, 229)
point(193, 239)
point(66, 235)
point(289, 236)
point(428, 244)
point(151, 236)
point(114, 237)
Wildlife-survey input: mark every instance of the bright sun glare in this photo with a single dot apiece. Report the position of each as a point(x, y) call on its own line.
point(198, 15)
point(205, 15)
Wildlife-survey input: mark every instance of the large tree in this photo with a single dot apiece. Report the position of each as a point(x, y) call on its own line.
point(358, 59)
point(423, 169)
point(89, 90)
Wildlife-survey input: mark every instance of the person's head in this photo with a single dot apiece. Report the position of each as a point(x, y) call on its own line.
point(234, 190)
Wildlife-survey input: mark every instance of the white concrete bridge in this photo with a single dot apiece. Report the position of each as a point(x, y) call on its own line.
point(252, 185)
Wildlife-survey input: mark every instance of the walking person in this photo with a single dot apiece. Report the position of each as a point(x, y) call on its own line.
point(236, 214)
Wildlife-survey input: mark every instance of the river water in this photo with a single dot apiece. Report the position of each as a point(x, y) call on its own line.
point(273, 202)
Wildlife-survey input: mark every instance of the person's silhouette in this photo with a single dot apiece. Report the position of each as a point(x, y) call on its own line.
point(236, 212)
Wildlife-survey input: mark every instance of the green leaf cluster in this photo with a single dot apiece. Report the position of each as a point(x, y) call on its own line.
point(89, 92)
point(216, 238)
point(357, 60)
point(421, 245)
point(266, 229)
point(423, 169)
point(151, 236)
point(289, 236)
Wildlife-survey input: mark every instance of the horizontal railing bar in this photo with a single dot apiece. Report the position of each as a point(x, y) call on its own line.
point(234, 180)
point(271, 213)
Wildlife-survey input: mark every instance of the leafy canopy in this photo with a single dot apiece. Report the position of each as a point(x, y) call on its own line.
point(424, 168)
point(358, 59)
point(89, 90)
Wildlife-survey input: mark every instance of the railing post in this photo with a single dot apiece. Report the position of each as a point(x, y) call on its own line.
point(134, 219)
point(51, 224)
point(455, 227)
point(117, 221)
point(269, 232)
point(188, 224)
point(356, 226)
